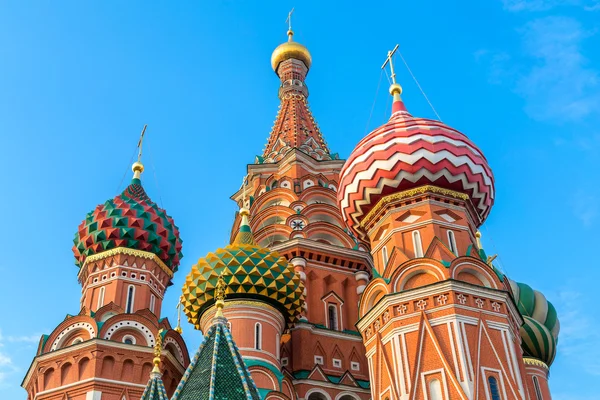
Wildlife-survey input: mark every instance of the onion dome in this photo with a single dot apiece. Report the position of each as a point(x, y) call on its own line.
point(408, 152)
point(539, 332)
point(129, 220)
point(250, 271)
point(290, 49)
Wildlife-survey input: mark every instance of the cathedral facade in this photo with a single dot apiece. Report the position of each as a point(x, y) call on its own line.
point(348, 279)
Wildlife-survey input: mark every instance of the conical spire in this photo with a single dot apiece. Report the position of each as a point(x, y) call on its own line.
point(295, 126)
point(244, 235)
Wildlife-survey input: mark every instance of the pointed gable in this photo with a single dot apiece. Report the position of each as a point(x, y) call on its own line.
point(217, 371)
point(439, 251)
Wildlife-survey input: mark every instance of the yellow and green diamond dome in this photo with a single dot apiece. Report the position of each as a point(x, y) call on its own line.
point(250, 271)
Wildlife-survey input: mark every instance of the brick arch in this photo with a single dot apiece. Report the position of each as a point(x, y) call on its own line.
point(82, 324)
point(286, 195)
point(277, 396)
point(84, 370)
point(337, 234)
point(287, 388)
point(146, 369)
point(49, 378)
point(67, 373)
point(347, 396)
point(317, 394)
point(127, 370)
point(310, 193)
point(327, 209)
point(403, 274)
point(146, 327)
point(264, 378)
point(107, 311)
point(107, 367)
point(470, 272)
point(375, 290)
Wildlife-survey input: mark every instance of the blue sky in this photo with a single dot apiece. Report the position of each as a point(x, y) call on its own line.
point(78, 81)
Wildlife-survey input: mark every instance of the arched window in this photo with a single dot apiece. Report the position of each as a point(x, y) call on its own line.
point(258, 336)
point(435, 390)
point(452, 242)
point(418, 245)
point(384, 256)
point(152, 302)
point(332, 317)
point(130, 293)
point(128, 339)
point(101, 297)
point(538, 391)
point(494, 391)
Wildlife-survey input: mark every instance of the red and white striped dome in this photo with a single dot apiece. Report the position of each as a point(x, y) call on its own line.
point(409, 152)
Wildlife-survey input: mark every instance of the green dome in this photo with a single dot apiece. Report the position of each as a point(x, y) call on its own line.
point(539, 332)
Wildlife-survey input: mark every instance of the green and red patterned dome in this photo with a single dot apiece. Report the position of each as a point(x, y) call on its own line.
point(130, 220)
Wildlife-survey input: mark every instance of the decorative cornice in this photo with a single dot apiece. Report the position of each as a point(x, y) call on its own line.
point(128, 252)
point(535, 362)
point(410, 193)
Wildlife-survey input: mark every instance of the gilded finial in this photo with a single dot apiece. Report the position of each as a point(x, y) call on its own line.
point(137, 166)
point(220, 295)
point(395, 88)
point(157, 351)
point(478, 239)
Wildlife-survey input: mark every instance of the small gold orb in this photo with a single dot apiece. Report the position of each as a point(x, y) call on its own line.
point(137, 167)
point(395, 88)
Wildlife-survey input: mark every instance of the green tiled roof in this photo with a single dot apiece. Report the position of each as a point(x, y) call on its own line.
point(217, 371)
point(155, 389)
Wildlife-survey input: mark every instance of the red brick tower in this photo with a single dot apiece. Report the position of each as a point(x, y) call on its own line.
point(127, 250)
point(290, 191)
point(438, 320)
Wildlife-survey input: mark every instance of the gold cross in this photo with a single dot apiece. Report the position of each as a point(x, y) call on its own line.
point(139, 145)
point(389, 60)
point(289, 19)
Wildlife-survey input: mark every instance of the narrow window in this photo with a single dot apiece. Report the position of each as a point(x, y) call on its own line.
point(435, 390)
point(384, 256)
point(332, 316)
point(130, 292)
point(538, 391)
point(258, 336)
point(452, 242)
point(417, 244)
point(494, 388)
point(152, 302)
point(101, 298)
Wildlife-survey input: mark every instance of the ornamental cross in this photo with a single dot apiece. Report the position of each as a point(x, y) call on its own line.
point(139, 145)
point(289, 19)
point(389, 60)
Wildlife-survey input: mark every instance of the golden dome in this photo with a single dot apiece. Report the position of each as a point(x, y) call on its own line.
point(290, 49)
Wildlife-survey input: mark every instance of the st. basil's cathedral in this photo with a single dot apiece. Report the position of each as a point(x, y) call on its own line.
point(348, 279)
